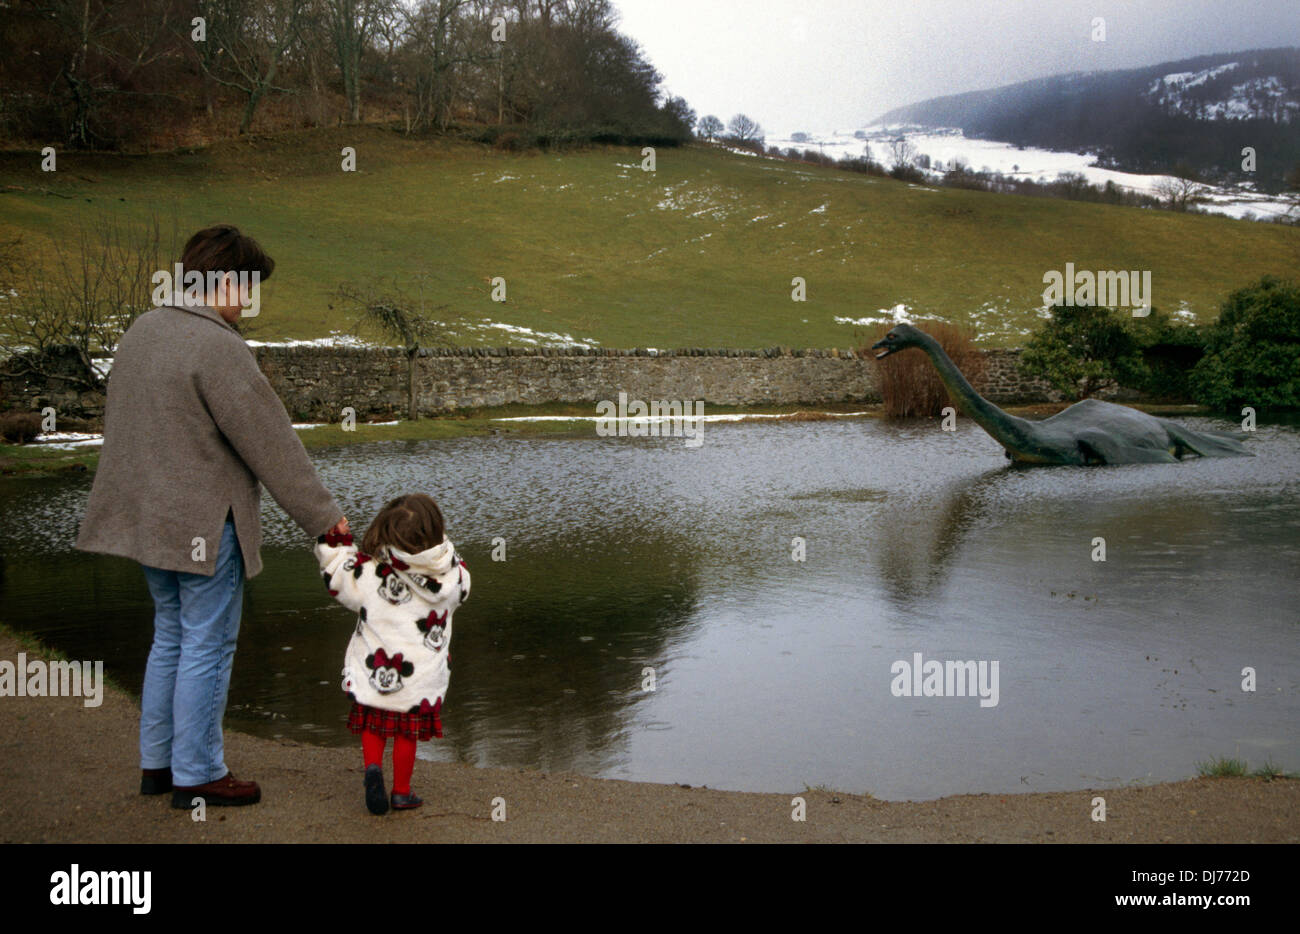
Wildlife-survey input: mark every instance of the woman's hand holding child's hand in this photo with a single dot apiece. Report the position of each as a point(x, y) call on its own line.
point(338, 534)
point(340, 564)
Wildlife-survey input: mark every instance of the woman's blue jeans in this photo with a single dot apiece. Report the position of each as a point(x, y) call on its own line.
point(196, 623)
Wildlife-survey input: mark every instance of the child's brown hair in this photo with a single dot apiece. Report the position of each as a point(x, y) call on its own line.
point(411, 523)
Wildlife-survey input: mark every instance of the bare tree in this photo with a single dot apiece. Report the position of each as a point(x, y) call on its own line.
point(710, 127)
point(251, 38)
point(389, 310)
point(103, 51)
point(352, 23)
point(745, 130)
point(1182, 190)
point(902, 151)
point(85, 299)
point(437, 41)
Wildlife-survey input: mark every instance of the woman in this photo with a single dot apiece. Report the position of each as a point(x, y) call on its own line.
point(191, 426)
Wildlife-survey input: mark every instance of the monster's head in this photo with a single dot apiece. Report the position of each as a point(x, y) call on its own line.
point(899, 338)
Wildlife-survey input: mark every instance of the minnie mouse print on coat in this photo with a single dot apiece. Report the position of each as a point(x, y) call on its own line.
point(398, 658)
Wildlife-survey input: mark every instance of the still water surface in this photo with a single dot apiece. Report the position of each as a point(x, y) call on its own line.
point(627, 554)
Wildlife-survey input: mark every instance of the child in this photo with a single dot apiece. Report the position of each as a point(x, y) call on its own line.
point(405, 584)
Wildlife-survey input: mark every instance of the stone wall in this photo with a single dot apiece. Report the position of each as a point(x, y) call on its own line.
point(59, 387)
point(317, 382)
point(1004, 383)
point(315, 385)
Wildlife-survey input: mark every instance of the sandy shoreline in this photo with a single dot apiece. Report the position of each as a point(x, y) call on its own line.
point(69, 774)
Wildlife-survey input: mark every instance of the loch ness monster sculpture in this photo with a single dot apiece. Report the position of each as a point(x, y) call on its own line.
point(1088, 432)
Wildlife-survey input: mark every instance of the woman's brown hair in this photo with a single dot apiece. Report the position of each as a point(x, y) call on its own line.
point(222, 248)
point(411, 523)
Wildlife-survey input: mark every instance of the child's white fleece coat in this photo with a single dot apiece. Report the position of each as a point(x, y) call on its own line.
point(398, 656)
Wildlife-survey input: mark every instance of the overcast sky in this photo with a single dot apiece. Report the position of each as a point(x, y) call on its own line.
point(823, 65)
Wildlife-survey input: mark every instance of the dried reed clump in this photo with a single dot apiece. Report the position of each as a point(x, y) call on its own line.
point(909, 383)
point(19, 427)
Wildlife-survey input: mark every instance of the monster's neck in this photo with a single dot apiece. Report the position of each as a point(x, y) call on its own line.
point(1011, 432)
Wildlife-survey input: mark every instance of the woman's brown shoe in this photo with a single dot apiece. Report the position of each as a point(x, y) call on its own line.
point(224, 792)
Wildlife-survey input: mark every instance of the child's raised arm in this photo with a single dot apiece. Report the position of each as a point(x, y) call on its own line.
point(463, 578)
point(341, 567)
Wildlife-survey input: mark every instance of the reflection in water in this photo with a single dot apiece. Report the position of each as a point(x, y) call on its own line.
point(919, 538)
point(773, 674)
point(549, 663)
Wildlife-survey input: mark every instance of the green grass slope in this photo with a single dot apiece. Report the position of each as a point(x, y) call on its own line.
point(700, 252)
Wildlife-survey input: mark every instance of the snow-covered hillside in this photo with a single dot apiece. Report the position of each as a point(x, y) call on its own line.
point(944, 147)
point(1198, 94)
point(1200, 113)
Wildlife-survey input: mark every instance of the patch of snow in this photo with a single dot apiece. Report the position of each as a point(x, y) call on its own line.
point(535, 338)
point(303, 426)
point(945, 146)
point(896, 315)
point(1191, 79)
point(67, 440)
point(336, 339)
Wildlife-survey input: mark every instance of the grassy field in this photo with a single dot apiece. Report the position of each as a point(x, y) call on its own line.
point(699, 253)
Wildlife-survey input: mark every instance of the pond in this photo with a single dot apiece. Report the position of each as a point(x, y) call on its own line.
point(627, 558)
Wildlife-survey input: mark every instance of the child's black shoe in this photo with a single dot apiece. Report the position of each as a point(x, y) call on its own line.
point(376, 800)
point(406, 802)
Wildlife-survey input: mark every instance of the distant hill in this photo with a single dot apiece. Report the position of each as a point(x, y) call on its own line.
point(1199, 112)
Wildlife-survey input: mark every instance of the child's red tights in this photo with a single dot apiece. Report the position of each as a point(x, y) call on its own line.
point(372, 746)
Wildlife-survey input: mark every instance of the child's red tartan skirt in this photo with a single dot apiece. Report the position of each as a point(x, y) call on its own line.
point(425, 725)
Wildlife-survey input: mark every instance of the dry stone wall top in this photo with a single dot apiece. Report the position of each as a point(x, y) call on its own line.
point(315, 383)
